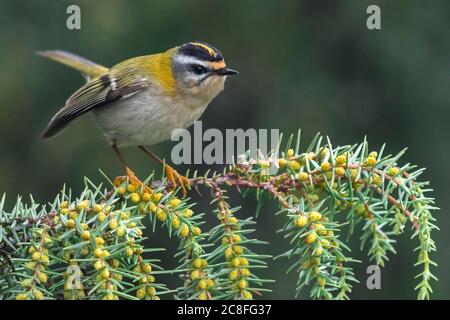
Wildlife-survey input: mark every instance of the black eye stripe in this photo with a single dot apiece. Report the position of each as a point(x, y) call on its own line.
point(199, 69)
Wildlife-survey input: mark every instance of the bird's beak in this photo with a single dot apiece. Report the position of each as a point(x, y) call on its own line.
point(226, 72)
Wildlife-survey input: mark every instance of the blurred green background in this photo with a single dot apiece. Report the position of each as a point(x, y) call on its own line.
point(304, 64)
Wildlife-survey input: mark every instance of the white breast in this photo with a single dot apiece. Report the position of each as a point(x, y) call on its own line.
point(144, 119)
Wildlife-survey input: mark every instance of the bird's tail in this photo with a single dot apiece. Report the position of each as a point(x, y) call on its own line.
point(85, 66)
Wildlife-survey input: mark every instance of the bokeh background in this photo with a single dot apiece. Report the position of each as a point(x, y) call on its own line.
point(304, 64)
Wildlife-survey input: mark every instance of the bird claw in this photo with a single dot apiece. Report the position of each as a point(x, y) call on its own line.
point(132, 179)
point(177, 180)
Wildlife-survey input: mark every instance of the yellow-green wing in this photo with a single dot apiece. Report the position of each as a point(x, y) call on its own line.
point(103, 90)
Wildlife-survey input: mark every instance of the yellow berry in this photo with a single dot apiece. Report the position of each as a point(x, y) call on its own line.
point(393, 171)
point(373, 154)
point(202, 284)
point(340, 172)
point(131, 188)
point(245, 272)
point(109, 296)
point(71, 223)
point(42, 277)
point(151, 291)
point(311, 237)
point(120, 231)
point(238, 249)
point(236, 238)
point(370, 161)
point(36, 256)
point(101, 217)
point(197, 263)
point(97, 208)
point(228, 252)
point(295, 165)
point(340, 160)
point(121, 191)
point(233, 275)
point(282, 163)
point(195, 274)
point(325, 243)
point(98, 265)
point(26, 283)
point(45, 260)
point(115, 263)
point(175, 202)
point(325, 166)
point(235, 262)
point(105, 253)
point(209, 283)
point(98, 252)
point(141, 293)
point(196, 231)
point(135, 197)
point(377, 180)
point(202, 296)
point(83, 205)
point(290, 153)
point(303, 176)
point(73, 214)
point(188, 213)
point(147, 268)
point(233, 220)
point(64, 204)
point(85, 235)
point(157, 197)
point(129, 251)
point(175, 222)
point(320, 229)
point(247, 295)
point(123, 215)
point(132, 225)
point(315, 216)
point(242, 284)
point(113, 223)
point(161, 215)
point(243, 261)
point(321, 282)
point(21, 296)
point(99, 241)
point(184, 231)
point(105, 274)
point(325, 151)
point(301, 221)
point(146, 197)
point(38, 295)
point(64, 211)
point(318, 251)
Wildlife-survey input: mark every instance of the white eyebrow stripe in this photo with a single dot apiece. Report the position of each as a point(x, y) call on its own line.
point(189, 60)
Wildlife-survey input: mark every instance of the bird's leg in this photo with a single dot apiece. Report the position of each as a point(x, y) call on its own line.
point(129, 173)
point(173, 176)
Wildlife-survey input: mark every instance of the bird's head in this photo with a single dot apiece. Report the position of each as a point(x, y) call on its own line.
point(199, 69)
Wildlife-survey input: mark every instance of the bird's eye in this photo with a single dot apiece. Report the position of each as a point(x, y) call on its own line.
point(199, 69)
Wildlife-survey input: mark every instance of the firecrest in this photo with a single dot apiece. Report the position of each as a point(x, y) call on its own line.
point(140, 101)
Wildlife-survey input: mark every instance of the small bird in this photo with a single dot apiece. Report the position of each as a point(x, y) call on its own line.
point(140, 101)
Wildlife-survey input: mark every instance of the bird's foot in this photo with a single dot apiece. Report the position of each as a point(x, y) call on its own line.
point(133, 180)
point(177, 180)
